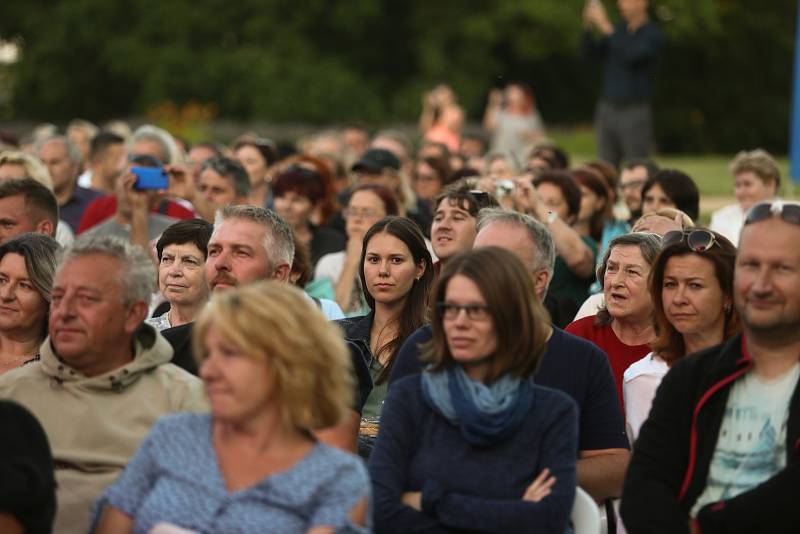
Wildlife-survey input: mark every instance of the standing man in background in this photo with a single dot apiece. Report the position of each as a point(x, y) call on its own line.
point(623, 118)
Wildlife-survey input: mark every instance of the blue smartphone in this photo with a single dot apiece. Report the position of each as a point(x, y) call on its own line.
point(150, 178)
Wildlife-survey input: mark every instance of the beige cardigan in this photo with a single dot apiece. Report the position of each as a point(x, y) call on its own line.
point(96, 424)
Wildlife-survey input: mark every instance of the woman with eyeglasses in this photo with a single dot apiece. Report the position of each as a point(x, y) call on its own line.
point(368, 204)
point(298, 192)
point(396, 273)
point(472, 443)
point(691, 285)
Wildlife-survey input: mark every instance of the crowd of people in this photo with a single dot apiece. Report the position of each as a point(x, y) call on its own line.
point(459, 330)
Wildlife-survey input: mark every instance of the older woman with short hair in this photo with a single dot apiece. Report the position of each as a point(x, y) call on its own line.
point(27, 267)
point(756, 178)
point(623, 327)
point(274, 370)
point(182, 252)
point(473, 443)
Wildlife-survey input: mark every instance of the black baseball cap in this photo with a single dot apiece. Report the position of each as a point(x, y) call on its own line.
point(375, 160)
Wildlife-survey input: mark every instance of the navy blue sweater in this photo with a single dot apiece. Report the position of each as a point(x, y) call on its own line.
point(418, 450)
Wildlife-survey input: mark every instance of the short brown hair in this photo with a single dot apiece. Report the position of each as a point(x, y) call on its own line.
point(521, 323)
point(760, 163)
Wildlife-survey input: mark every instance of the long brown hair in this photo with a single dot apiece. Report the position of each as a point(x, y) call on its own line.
point(669, 344)
point(415, 309)
point(521, 323)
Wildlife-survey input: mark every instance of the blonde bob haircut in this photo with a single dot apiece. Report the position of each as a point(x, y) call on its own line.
point(276, 323)
point(521, 323)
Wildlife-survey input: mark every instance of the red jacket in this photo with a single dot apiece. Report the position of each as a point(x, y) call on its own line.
point(104, 207)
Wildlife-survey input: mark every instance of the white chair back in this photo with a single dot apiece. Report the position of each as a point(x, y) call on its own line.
point(585, 515)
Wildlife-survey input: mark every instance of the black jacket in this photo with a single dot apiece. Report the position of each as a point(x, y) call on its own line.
point(671, 458)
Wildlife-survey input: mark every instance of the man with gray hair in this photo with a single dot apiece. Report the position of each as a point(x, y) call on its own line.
point(63, 159)
point(222, 182)
point(570, 364)
point(104, 376)
point(251, 243)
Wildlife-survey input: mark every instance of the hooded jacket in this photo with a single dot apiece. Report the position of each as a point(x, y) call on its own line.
point(95, 424)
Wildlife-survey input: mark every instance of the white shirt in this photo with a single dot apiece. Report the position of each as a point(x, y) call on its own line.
point(639, 384)
point(590, 306)
point(728, 221)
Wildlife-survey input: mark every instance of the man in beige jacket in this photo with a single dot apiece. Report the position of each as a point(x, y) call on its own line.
point(104, 377)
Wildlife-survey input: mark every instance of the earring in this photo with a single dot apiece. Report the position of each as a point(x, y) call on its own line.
point(727, 309)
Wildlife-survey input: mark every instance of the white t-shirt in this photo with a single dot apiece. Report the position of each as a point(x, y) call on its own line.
point(639, 385)
point(728, 221)
point(751, 445)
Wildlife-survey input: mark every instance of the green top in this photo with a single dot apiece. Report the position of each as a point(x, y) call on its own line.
point(566, 284)
point(372, 408)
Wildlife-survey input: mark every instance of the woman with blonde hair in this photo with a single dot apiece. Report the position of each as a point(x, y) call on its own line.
point(274, 370)
point(27, 267)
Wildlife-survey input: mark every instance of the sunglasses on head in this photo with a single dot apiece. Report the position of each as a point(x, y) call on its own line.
point(788, 212)
point(696, 240)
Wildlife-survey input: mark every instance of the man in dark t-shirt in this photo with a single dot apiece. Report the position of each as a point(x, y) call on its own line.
point(623, 121)
point(569, 364)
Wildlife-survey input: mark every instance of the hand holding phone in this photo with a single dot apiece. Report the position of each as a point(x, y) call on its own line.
point(150, 178)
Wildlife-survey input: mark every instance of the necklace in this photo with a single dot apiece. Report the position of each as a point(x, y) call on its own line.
point(16, 362)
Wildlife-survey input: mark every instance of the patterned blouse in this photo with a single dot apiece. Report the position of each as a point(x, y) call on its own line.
point(159, 323)
point(174, 478)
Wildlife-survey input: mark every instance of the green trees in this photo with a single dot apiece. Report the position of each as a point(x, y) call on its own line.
point(724, 81)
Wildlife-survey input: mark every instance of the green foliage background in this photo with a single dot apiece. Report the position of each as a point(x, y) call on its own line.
point(724, 81)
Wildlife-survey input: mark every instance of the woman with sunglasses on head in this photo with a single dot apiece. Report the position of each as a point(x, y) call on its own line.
point(396, 274)
point(368, 204)
point(691, 285)
point(472, 443)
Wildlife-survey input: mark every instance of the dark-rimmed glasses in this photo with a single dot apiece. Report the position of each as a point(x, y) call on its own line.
point(696, 240)
point(765, 210)
point(475, 312)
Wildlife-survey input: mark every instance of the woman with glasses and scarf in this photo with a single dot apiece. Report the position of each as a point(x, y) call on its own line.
point(691, 285)
point(473, 443)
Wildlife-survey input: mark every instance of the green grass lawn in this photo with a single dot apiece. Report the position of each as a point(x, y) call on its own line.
point(710, 171)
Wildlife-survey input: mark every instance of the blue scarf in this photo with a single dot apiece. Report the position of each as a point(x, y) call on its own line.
point(485, 414)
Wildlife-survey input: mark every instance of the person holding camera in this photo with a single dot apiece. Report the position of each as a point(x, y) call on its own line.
point(623, 120)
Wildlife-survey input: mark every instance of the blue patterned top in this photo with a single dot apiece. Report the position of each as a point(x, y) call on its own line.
point(175, 478)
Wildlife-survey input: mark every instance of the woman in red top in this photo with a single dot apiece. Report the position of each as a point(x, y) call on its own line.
point(623, 327)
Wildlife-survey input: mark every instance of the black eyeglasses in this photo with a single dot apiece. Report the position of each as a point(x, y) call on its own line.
point(788, 212)
point(696, 240)
point(475, 312)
